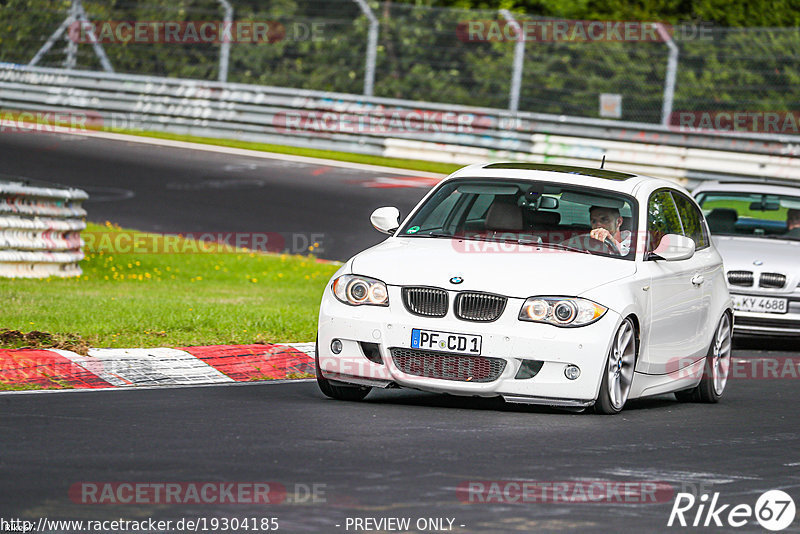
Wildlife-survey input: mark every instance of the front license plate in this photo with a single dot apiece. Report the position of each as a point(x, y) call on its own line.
point(759, 304)
point(445, 341)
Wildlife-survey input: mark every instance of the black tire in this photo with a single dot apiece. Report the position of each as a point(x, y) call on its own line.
point(346, 393)
point(688, 395)
point(618, 371)
point(715, 367)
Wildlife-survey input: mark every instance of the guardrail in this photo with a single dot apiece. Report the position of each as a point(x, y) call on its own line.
point(40, 230)
point(391, 127)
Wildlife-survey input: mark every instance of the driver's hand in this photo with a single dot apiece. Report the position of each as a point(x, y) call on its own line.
point(601, 234)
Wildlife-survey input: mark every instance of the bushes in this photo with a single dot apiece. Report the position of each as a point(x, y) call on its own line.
point(420, 57)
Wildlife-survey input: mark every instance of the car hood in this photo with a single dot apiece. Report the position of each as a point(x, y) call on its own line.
point(775, 255)
point(506, 269)
point(761, 255)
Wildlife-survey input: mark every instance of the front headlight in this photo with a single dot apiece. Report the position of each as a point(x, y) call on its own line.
point(357, 290)
point(561, 311)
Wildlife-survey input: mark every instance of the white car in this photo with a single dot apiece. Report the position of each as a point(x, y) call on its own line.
point(492, 286)
point(756, 228)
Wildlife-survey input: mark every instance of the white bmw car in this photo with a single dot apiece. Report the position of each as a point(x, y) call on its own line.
point(756, 228)
point(543, 284)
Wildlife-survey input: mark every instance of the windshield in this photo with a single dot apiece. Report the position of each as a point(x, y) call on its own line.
point(527, 212)
point(751, 214)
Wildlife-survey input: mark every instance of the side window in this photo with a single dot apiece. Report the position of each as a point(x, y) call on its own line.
point(692, 220)
point(662, 218)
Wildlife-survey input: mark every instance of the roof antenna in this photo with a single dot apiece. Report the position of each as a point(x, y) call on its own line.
point(602, 163)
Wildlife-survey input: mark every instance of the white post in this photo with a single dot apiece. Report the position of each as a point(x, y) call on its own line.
point(76, 14)
point(225, 46)
point(372, 48)
point(98, 48)
point(672, 72)
point(72, 45)
point(52, 39)
point(519, 59)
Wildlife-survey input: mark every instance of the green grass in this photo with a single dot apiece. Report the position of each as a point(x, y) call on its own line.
point(410, 164)
point(148, 299)
point(743, 209)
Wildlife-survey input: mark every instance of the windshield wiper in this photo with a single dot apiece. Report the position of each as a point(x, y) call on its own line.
point(564, 247)
point(432, 234)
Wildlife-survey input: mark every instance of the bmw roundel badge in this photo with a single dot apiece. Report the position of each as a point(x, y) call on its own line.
point(456, 280)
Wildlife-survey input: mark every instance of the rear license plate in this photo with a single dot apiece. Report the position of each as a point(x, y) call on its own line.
point(759, 304)
point(445, 341)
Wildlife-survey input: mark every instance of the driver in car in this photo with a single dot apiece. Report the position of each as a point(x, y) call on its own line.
point(793, 222)
point(606, 223)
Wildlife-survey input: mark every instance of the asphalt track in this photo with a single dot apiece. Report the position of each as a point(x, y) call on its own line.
point(171, 190)
point(398, 454)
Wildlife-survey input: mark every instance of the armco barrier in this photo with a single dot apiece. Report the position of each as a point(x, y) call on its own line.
point(390, 127)
point(40, 230)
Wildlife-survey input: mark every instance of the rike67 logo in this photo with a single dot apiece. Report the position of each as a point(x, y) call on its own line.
point(774, 510)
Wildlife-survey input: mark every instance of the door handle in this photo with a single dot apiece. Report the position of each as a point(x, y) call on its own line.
point(698, 279)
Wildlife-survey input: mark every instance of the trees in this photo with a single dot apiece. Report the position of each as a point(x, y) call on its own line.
point(420, 55)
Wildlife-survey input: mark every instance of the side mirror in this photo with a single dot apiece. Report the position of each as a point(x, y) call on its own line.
point(385, 220)
point(674, 247)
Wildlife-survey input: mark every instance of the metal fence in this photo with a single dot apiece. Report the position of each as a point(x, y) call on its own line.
point(58, 100)
point(414, 52)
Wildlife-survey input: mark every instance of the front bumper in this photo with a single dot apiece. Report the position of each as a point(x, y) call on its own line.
point(507, 338)
point(768, 324)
